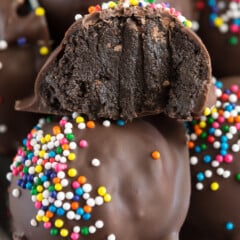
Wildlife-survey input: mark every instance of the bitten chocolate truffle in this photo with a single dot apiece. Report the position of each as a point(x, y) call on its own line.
point(79, 179)
point(125, 61)
point(24, 44)
point(215, 168)
point(219, 29)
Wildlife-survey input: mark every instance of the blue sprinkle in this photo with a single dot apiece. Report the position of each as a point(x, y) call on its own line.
point(197, 149)
point(80, 211)
point(60, 212)
point(86, 216)
point(207, 158)
point(229, 226)
point(79, 191)
point(21, 41)
point(52, 208)
point(120, 122)
point(200, 176)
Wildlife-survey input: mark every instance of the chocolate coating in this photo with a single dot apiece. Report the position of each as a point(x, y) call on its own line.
point(215, 168)
point(224, 55)
point(149, 197)
point(22, 34)
point(125, 63)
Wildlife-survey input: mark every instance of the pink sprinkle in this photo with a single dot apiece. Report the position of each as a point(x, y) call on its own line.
point(35, 159)
point(219, 158)
point(234, 88)
point(228, 158)
point(38, 205)
point(63, 141)
point(237, 125)
point(83, 143)
point(47, 225)
point(14, 171)
point(75, 184)
point(60, 167)
point(234, 28)
point(74, 236)
point(62, 122)
point(221, 119)
point(21, 174)
point(152, 5)
point(215, 125)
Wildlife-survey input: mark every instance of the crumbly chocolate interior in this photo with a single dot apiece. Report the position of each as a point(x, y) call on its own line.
point(126, 66)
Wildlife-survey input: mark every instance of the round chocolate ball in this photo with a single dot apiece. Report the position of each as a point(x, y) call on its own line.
point(80, 179)
point(214, 145)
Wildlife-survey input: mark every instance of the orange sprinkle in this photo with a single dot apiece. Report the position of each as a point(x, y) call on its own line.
point(74, 205)
point(220, 112)
point(191, 144)
point(49, 214)
point(90, 124)
point(237, 119)
point(230, 119)
point(91, 9)
point(56, 130)
point(82, 179)
point(155, 155)
point(65, 146)
point(33, 131)
point(87, 209)
point(198, 131)
point(56, 180)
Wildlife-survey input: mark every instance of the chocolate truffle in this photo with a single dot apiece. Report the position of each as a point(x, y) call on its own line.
point(125, 61)
point(215, 168)
point(219, 29)
point(78, 179)
point(24, 43)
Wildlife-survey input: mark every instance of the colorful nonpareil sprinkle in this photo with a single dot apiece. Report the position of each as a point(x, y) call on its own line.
point(223, 15)
point(214, 142)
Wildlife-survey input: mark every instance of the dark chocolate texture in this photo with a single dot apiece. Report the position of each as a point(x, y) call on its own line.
point(22, 34)
point(149, 193)
point(125, 63)
point(215, 167)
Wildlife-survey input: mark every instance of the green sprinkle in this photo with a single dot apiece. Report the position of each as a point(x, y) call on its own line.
point(233, 40)
point(54, 231)
point(84, 231)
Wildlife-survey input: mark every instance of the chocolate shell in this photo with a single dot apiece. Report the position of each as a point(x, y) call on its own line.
point(215, 168)
point(125, 62)
point(24, 43)
point(79, 179)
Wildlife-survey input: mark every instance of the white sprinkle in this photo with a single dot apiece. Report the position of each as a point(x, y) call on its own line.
point(217, 132)
point(233, 130)
point(60, 136)
point(99, 200)
point(3, 128)
point(111, 237)
point(193, 136)
point(235, 148)
point(16, 193)
point(220, 171)
point(229, 135)
point(233, 98)
point(92, 229)
point(106, 123)
point(41, 213)
point(67, 130)
point(72, 145)
point(9, 176)
point(193, 160)
point(99, 224)
point(63, 159)
point(199, 186)
point(28, 163)
point(45, 193)
point(77, 17)
point(33, 198)
point(195, 26)
point(31, 170)
point(66, 206)
point(3, 44)
point(226, 174)
point(74, 114)
point(64, 182)
point(81, 126)
point(69, 195)
point(90, 202)
point(86, 196)
point(45, 202)
point(58, 203)
point(95, 162)
point(66, 153)
point(61, 196)
point(77, 217)
point(216, 144)
point(208, 173)
point(48, 165)
point(87, 187)
point(61, 174)
point(70, 215)
point(33, 223)
point(76, 229)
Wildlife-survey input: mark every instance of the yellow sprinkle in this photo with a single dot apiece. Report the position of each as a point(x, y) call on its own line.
point(188, 24)
point(58, 223)
point(80, 119)
point(38, 168)
point(42, 140)
point(38, 218)
point(39, 11)
point(218, 22)
point(58, 187)
point(214, 186)
point(45, 219)
point(214, 109)
point(202, 124)
point(134, 2)
point(102, 190)
point(72, 156)
point(39, 197)
point(72, 172)
point(47, 137)
point(41, 153)
point(64, 232)
point(107, 197)
point(39, 188)
point(111, 4)
point(206, 111)
point(43, 50)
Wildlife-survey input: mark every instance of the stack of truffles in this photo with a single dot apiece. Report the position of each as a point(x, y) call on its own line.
point(111, 160)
